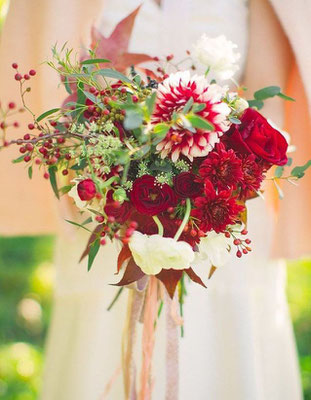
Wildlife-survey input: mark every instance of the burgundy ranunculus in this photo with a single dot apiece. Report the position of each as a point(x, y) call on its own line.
point(86, 190)
point(185, 185)
point(121, 212)
point(255, 135)
point(151, 198)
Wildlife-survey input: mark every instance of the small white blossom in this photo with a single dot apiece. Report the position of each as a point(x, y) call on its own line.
point(218, 54)
point(214, 249)
point(154, 253)
point(240, 105)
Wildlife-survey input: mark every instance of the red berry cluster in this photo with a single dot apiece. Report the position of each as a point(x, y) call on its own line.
point(25, 77)
point(241, 244)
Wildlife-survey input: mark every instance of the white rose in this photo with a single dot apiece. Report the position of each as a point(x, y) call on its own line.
point(154, 253)
point(214, 249)
point(218, 54)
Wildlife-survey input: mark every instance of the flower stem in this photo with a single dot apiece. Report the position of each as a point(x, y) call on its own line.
point(185, 220)
point(159, 225)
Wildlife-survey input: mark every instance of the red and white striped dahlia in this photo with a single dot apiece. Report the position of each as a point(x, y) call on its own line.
point(182, 138)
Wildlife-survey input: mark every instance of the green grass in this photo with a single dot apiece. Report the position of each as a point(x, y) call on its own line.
point(25, 304)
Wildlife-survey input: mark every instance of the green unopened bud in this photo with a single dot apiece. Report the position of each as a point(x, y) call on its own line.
point(119, 195)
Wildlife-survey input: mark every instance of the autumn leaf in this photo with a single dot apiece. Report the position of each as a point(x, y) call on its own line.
point(115, 47)
point(124, 255)
point(194, 277)
point(132, 274)
point(92, 239)
point(170, 279)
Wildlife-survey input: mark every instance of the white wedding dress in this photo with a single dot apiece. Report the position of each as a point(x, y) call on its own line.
point(238, 341)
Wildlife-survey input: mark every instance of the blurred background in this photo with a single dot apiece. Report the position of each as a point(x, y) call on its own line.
point(26, 288)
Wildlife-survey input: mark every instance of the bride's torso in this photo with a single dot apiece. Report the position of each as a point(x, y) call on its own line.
point(172, 28)
point(176, 25)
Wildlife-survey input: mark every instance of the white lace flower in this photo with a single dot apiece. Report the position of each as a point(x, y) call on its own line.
point(218, 54)
point(154, 253)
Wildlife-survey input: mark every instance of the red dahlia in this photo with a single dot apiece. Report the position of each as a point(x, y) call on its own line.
point(182, 139)
point(252, 175)
point(216, 211)
point(222, 167)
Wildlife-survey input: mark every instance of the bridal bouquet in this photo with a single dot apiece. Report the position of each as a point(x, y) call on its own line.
point(158, 158)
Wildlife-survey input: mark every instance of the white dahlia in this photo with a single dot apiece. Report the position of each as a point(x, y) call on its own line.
point(182, 139)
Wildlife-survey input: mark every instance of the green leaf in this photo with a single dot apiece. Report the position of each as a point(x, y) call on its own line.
point(200, 123)
point(137, 79)
point(161, 129)
point(111, 73)
point(133, 119)
point(256, 104)
point(285, 97)
point(289, 161)
point(67, 86)
point(78, 225)
point(278, 172)
point(65, 189)
point(187, 106)
point(30, 172)
point(150, 102)
point(18, 160)
point(94, 99)
point(52, 171)
point(300, 171)
point(87, 221)
point(80, 100)
point(95, 61)
point(80, 165)
point(197, 107)
point(234, 120)
point(47, 113)
point(93, 252)
point(267, 92)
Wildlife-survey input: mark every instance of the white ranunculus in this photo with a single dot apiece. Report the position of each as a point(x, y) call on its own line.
point(214, 249)
point(154, 253)
point(218, 54)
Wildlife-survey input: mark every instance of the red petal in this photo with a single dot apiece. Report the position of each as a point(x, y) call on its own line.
point(170, 279)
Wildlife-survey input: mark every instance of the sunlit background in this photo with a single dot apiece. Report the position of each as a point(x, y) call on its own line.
point(26, 278)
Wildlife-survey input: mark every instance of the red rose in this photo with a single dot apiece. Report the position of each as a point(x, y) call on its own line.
point(151, 198)
point(185, 185)
point(121, 212)
point(86, 189)
point(255, 135)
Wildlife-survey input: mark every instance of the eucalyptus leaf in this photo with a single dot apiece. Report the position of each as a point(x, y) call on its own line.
point(95, 61)
point(30, 172)
point(150, 102)
point(285, 97)
point(299, 171)
point(256, 104)
point(133, 119)
point(234, 120)
point(278, 172)
point(267, 92)
point(111, 73)
point(161, 129)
